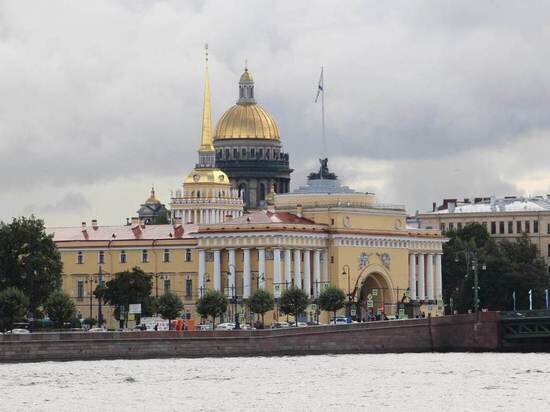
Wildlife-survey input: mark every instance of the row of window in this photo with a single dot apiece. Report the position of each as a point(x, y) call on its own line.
point(245, 153)
point(188, 292)
point(502, 227)
point(123, 256)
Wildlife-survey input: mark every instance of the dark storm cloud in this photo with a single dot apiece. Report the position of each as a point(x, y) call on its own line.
point(103, 91)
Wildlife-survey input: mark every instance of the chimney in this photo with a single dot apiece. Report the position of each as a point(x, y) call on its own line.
point(127, 221)
point(94, 224)
point(299, 210)
point(83, 225)
point(135, 221)
point(433, 206)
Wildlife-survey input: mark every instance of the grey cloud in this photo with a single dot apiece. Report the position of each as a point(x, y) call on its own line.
point(71, 202)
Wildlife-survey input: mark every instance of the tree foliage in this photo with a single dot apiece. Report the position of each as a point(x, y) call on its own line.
point(13, 307)
point(29, 260)
point(261, 302)
point(169, 306)
point(60, 308)
point(125, 288)
point(293, 302)
point(332, 299)
point(213, 304)
point(509, 266)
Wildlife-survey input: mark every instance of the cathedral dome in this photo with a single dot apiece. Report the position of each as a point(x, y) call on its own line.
point(247, 121)
point(207, 176)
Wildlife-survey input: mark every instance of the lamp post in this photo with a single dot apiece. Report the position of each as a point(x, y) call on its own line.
point(233, 293)
point(472, 262)
point(99, 308)
point(202, 288)
point(90, 281)
point(346, 271)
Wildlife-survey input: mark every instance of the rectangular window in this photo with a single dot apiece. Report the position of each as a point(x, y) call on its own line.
point(549, 250)
point(144, 256)
point(188, 256)
point(451, 226)
point(123, 256)
point(510, 227)
point(79, 257)
point(518, 226)
point(459, 225)
point(493, 228)
point(235, 154)
point(80, 289)
point(548, 229)
point(535, 226)
point(101, 257)
point(166, 285)
point(501, 227)
point(527, 226)
point(442, 227)
point(252, 152)
point(166, 255)
point(243, 153)
point(188, 288)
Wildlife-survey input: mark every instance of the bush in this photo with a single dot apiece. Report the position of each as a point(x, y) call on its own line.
point(213, 303)
point(60, 308)
point(13, 307)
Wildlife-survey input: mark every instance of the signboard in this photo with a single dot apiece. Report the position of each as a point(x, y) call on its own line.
point(276, 291)
point(401, 313)
point(370, 304)
point(375, 292)
point(353, 311)
point(378, 312)
point(135, 308)
point(369, 296)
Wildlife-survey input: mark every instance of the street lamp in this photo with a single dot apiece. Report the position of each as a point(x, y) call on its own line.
point(346, 271)
point(233, 293)
point(205, 280)
point(90, 281)
point(472, 262)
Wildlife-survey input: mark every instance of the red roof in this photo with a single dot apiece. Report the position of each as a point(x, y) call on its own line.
point(121, 232)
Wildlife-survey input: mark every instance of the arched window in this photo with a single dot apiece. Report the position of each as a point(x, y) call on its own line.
point(262, 192)
point(198, 193)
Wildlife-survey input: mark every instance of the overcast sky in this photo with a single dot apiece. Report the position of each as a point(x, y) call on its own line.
point(424, 99)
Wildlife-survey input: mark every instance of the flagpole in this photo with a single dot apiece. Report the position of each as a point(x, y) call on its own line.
point(323, 112)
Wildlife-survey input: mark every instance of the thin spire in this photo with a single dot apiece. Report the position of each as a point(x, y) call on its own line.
point(206, 137)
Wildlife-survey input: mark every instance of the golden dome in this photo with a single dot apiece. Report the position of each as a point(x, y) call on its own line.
point(152, 200)
point(207, 176)
point(246, 121)
point(246, 76)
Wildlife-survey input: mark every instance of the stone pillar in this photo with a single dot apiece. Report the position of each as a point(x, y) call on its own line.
point(231, 267)
point(277, 286)
point(298, 268)
point(288, 273)
point(202, 272)
point(412, 276)
point(217, 271)
point(246, 274)
point(421, 277)
point(430, 276)
point(261, 268)
point(438, 277)
point(307, 272)
point(316, 272)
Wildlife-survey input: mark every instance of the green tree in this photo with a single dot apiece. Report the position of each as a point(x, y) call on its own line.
point(332, 299)
point(293, 302)
point(13, 307)
point(261, 302)
point(212, 303)
point(169, 306)
point(60, 308)
point(125, 288)
point(29, 260)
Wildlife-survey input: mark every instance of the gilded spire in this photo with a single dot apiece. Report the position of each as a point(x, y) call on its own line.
point(206, 137)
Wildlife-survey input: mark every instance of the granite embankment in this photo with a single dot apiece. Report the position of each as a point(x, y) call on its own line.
point(445, 334)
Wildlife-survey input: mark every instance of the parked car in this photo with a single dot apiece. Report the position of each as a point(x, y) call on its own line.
point(204, 327)
point(300, 324)
point(246, 326)
point(340, 320)
point(97, 330)
point(279, 325)
point(18, 331)
point(225, 326)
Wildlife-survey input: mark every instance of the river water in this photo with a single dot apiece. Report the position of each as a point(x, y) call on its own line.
point(393, 382)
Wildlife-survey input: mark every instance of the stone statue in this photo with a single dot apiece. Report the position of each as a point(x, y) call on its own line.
point(323, 173)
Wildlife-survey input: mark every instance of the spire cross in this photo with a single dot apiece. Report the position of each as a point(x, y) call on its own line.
point(246, 64)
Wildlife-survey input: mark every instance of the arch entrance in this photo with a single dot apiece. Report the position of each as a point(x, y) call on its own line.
point(374, 294)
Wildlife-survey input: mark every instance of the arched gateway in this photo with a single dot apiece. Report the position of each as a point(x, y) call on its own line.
point(375, 293)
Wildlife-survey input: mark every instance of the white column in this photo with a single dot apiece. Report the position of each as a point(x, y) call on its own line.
point(288, 273)
point(317, 272)
point(277, 287)
point(246, 274)
point(298, 268)
point(421, 276)
point(438, 277)
point(202, 271)
point(231, 270)
point(261, 268)
point(412, 276)
point(430, 276)
point(307, 272)
point(208, 216)
point(324, 277)
point(195, 216)
point(217, 270)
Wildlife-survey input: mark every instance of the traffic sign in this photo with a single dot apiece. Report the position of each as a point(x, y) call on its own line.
point(353, 311)
point(369, 296)
point(370, 303)
point(375, 292)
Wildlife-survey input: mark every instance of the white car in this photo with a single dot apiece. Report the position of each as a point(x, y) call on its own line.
point(97, 330)
point(280, 325)
point(205, 327)
point(339, 321)
point(19, 331)
point(225, 326)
